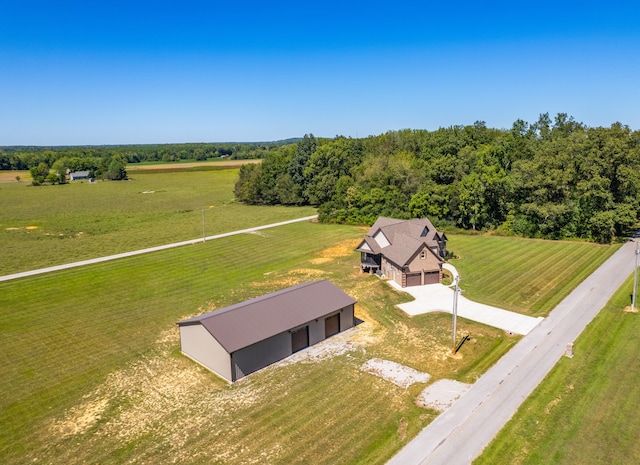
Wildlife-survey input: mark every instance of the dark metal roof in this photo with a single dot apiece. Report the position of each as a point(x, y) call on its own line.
point(255, 320)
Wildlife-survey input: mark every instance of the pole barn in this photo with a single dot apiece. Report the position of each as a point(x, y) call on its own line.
point(238, 340)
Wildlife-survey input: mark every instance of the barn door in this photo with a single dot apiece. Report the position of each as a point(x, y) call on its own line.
point(332, 325)
point(299, 339)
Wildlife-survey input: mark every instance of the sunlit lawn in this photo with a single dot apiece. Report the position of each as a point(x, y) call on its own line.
point(51, 225)
point(90, 361)
point(585, 411)
point(525, 275)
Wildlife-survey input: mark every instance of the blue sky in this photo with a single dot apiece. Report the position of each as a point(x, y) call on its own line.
point(75, 73)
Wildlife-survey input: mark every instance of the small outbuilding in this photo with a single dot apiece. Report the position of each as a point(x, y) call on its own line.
point(78, 175)
point(243, 338)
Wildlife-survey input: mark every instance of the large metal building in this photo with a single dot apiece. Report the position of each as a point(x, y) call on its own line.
point(240, 339)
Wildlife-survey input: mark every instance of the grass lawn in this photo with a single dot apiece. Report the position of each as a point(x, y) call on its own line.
point(90, 361)
point(92, 370)
point(585, 410)
point(524, 275)
point(51, 225)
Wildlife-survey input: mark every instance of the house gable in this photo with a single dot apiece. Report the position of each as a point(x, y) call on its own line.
point(381, 239)
point(405, 245)
point(430, 262)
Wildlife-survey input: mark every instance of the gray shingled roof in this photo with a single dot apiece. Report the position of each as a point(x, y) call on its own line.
point(255, 320)
point(405, 237)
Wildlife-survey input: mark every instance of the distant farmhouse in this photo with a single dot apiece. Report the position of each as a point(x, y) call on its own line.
point(411, 252)
point(240, 339)
point(77, 175)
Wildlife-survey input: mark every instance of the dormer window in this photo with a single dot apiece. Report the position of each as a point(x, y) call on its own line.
point(425, 231)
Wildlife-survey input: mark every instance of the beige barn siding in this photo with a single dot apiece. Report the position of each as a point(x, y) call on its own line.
point(261, 354)
point(316, 331)
point(197, 343)
point(346, 318)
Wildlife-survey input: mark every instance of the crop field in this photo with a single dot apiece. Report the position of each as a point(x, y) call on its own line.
point(585, 409)
point(90, 360)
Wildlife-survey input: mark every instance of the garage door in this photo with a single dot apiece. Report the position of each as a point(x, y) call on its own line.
point(414, 279)
point(299, 339)
point(432, 278)
point(332, 325)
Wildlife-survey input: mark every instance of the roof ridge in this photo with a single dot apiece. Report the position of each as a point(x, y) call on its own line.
point(261, 298)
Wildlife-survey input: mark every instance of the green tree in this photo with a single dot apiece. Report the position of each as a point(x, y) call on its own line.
point(116, 170)
point(304, 149)
point(39, 173)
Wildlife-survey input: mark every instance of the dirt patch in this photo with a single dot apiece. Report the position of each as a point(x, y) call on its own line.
point(442, 394)
point(27, 228)
point(159, 395)
point(291, 278)
point(399, 375)
point(165, 396)
point(343, 249)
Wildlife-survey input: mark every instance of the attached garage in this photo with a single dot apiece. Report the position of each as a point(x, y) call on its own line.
point(432, 277)
point(240, 339)
point(414, 279)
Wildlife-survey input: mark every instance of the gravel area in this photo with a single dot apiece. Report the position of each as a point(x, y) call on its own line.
point(398, 374)
point(442, 394)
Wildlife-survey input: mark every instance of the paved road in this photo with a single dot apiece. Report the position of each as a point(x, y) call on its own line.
point(460, 433)
point(148, 250)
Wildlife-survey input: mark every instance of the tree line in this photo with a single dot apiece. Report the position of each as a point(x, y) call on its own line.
point(24, 158)
point(50, 165)
point(554, 179)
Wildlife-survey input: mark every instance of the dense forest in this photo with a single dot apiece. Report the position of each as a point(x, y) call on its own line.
point(553, 179)
point(50, 164)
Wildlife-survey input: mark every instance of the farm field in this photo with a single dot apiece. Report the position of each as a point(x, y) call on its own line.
point(51, 225)
point(90, 356)
point(585, 410)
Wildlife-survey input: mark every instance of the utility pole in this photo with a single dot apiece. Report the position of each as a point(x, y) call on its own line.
point(635, 279)
point(455, 315)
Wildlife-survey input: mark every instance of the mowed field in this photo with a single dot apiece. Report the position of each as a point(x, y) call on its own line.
point(586, 409)
point(92, 371)
point(51, 225)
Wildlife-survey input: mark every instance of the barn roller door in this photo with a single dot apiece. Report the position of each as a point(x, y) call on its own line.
point(332, 325)
point(299, 339)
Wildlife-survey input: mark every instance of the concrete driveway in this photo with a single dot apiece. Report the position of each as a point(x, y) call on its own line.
point(439, 298)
